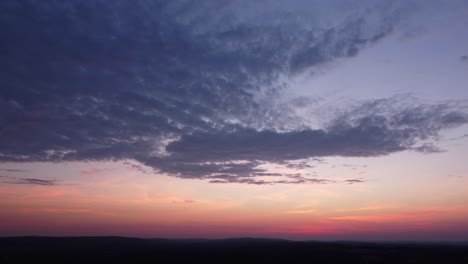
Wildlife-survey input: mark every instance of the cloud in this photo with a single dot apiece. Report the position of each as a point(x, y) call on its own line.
point(258, 178)
point(12, 170)
point(93, 171)
point(188, 88)
point(30, 181)
point(353, 181)
point(252, 180)
point(371, 129)
point(457, 138)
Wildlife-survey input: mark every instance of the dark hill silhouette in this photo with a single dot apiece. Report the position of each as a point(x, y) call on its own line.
point(239, 250)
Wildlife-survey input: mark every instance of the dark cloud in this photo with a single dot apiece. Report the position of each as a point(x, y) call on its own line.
point(464, 58)
point(372, 129)
point(255, 181)
point(353, 181)
point(458, 138)
point(12, 170)
point(30, 181)
point(299, 164)
point(185, 87)
point(138, 167)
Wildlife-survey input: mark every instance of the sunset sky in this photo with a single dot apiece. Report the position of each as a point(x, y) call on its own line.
point(302, 120)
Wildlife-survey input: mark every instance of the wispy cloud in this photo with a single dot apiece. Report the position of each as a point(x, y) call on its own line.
point(459, 137)
point(455, 176)
point(353, 181)
point(30, 181)
point(92, 171)
point(12, 170)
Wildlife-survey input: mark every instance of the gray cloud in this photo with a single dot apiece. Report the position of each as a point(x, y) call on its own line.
point(30, 181)
point(372, 129)
point(184, 86)
point(353, 181)
point(255, 181)
point(12, 170)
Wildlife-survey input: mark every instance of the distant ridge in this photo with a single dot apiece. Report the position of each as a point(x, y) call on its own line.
point(250, 239)
point(116, 249)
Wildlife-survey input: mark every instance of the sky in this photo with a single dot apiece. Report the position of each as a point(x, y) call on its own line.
point(301, 120)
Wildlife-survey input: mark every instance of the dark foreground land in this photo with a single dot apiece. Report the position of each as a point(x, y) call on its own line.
point(242, 250)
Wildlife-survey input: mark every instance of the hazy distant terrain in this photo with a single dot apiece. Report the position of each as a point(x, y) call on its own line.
point(245, 250)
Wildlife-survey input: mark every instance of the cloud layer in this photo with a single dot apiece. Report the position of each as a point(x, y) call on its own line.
point(185, 87)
